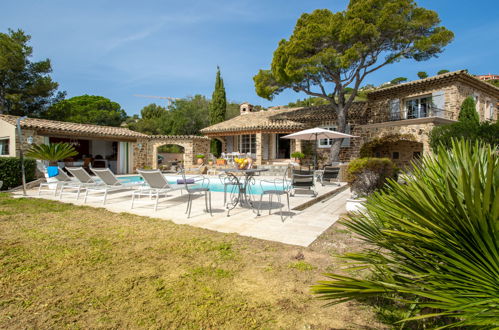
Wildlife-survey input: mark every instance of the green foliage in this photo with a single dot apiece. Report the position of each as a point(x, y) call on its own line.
point(468, 111)
point(433, 242)
point(153, 111)
point(301, 266)
point(366, 175)
point(184, 117)
point(26, 88)
point(485, 132)
point(398, 80)
point(422, 75)
point(298, 155)
point(200, 156)
point(51, 152)
point(10, 171)
point(218, 106)
point(442, 71)
point(308, 102)
point(88, 109)
point(494, 82)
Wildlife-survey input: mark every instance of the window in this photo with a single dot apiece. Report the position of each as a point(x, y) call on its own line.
point(395, 109)
point(416, 154)
point(247, 143)
point(418, 107)
point(490, 111)
point(4, 146)
point(326, 143)
point(395, 155)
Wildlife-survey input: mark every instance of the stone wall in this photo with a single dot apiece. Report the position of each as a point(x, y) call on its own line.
point(482, 99)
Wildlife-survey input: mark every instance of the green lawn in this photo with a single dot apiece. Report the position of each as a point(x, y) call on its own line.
point(82, 267)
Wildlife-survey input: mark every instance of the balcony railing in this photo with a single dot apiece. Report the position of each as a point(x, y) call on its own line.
point(411, 114)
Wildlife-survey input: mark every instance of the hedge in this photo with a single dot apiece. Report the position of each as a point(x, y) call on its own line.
point(10, 171)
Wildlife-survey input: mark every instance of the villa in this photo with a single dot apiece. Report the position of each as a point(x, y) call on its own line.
point(395, 121)
point(402, 114)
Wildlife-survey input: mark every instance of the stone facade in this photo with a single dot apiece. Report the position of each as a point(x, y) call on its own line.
point(146, 150)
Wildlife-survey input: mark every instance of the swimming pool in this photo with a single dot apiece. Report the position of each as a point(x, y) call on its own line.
point(215, 183)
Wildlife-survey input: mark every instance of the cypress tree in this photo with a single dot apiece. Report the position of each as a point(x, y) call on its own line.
point(218, 106)
point(468, 111)
point(218, 109)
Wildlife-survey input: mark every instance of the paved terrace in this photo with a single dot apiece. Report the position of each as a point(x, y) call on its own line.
point(298, 228)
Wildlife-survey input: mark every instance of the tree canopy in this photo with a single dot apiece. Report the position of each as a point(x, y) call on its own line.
point(422, 75)
point(88, 109)
point(26, 88)
point(328, 52)
point(468, 111)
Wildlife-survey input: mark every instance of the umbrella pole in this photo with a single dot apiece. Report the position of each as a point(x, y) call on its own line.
point(315, 157)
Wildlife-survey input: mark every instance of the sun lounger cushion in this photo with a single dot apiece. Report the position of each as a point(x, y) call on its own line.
point(188, 181)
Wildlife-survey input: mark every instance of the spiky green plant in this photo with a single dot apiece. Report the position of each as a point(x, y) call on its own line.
point(434, 242)
point(51, 152)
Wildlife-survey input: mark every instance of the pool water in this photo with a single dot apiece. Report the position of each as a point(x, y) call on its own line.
point(214, 185)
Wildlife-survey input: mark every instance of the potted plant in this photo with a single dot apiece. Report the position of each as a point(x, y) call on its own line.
point(210, 162)
point(298, 156)
point(51, 153)
point(200, 158)
point(365, 176)
point(221, 161)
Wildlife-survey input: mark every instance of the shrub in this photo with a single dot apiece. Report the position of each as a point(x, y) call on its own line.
point(10, 171)
point(365, 175)
point(200, 156)
point(433, 242)
point(298, 155)
point(485, 132)
point(468, 111)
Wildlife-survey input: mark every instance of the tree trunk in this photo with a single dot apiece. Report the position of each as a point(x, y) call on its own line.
point(341, 122)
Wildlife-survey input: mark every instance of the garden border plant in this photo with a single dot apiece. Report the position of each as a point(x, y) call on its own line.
point(10, 171)
point(433, 242)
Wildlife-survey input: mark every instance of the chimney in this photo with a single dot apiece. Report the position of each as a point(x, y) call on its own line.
point(245, 108)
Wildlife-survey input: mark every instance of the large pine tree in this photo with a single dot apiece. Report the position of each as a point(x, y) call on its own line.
point(218, 109)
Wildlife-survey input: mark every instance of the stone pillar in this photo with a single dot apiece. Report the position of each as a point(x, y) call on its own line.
point(259, 148)
point(299, 145)
point(271, 146)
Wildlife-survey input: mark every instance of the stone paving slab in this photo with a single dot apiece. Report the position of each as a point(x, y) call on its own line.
point(298, 227)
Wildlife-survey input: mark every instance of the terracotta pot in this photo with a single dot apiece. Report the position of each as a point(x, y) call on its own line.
point(221, 162)
point(210, 162)
point(200, 161)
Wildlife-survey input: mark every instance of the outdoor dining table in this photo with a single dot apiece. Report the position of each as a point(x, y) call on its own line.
point(242, 180)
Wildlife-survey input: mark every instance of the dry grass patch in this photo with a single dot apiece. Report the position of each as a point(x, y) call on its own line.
point(68, 266)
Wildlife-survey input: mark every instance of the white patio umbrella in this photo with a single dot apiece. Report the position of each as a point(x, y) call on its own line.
point(316, 134)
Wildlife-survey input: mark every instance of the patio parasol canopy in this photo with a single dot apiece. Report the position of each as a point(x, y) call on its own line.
point(316, 134)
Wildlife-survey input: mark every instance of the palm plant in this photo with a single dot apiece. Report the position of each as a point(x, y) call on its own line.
point(434, 242)
point(51, 152)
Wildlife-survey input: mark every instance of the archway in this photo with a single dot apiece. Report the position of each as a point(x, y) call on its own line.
point(170, 157)
point(402, 149)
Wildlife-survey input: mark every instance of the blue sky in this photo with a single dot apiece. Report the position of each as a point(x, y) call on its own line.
point(171, 48)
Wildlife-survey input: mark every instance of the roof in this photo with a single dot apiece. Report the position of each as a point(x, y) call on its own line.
point(61, 127)
point(320, 113)
point(461, 75)
point(255, 121)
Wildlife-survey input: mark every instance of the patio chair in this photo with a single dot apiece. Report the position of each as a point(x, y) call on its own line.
point(228, 183)
point(302, 180)
point(280, 187)
point(194, 186)
point(330, 173)
point(157, 186)
point(110, 183)
point(82, 181)
point(61, 178)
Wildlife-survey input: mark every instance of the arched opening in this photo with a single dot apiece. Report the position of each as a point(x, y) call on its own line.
point(402, 149)
point(170, 157)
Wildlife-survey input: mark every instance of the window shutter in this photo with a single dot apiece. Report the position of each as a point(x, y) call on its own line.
point(438, 103)
point(395, 109)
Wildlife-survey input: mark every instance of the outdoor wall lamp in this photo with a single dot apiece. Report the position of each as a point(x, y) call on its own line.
point(29, 140)
point(139, 145)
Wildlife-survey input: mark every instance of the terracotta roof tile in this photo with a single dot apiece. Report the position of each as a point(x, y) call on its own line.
point(73, 128)
point(261, 120)
point(460, 74)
